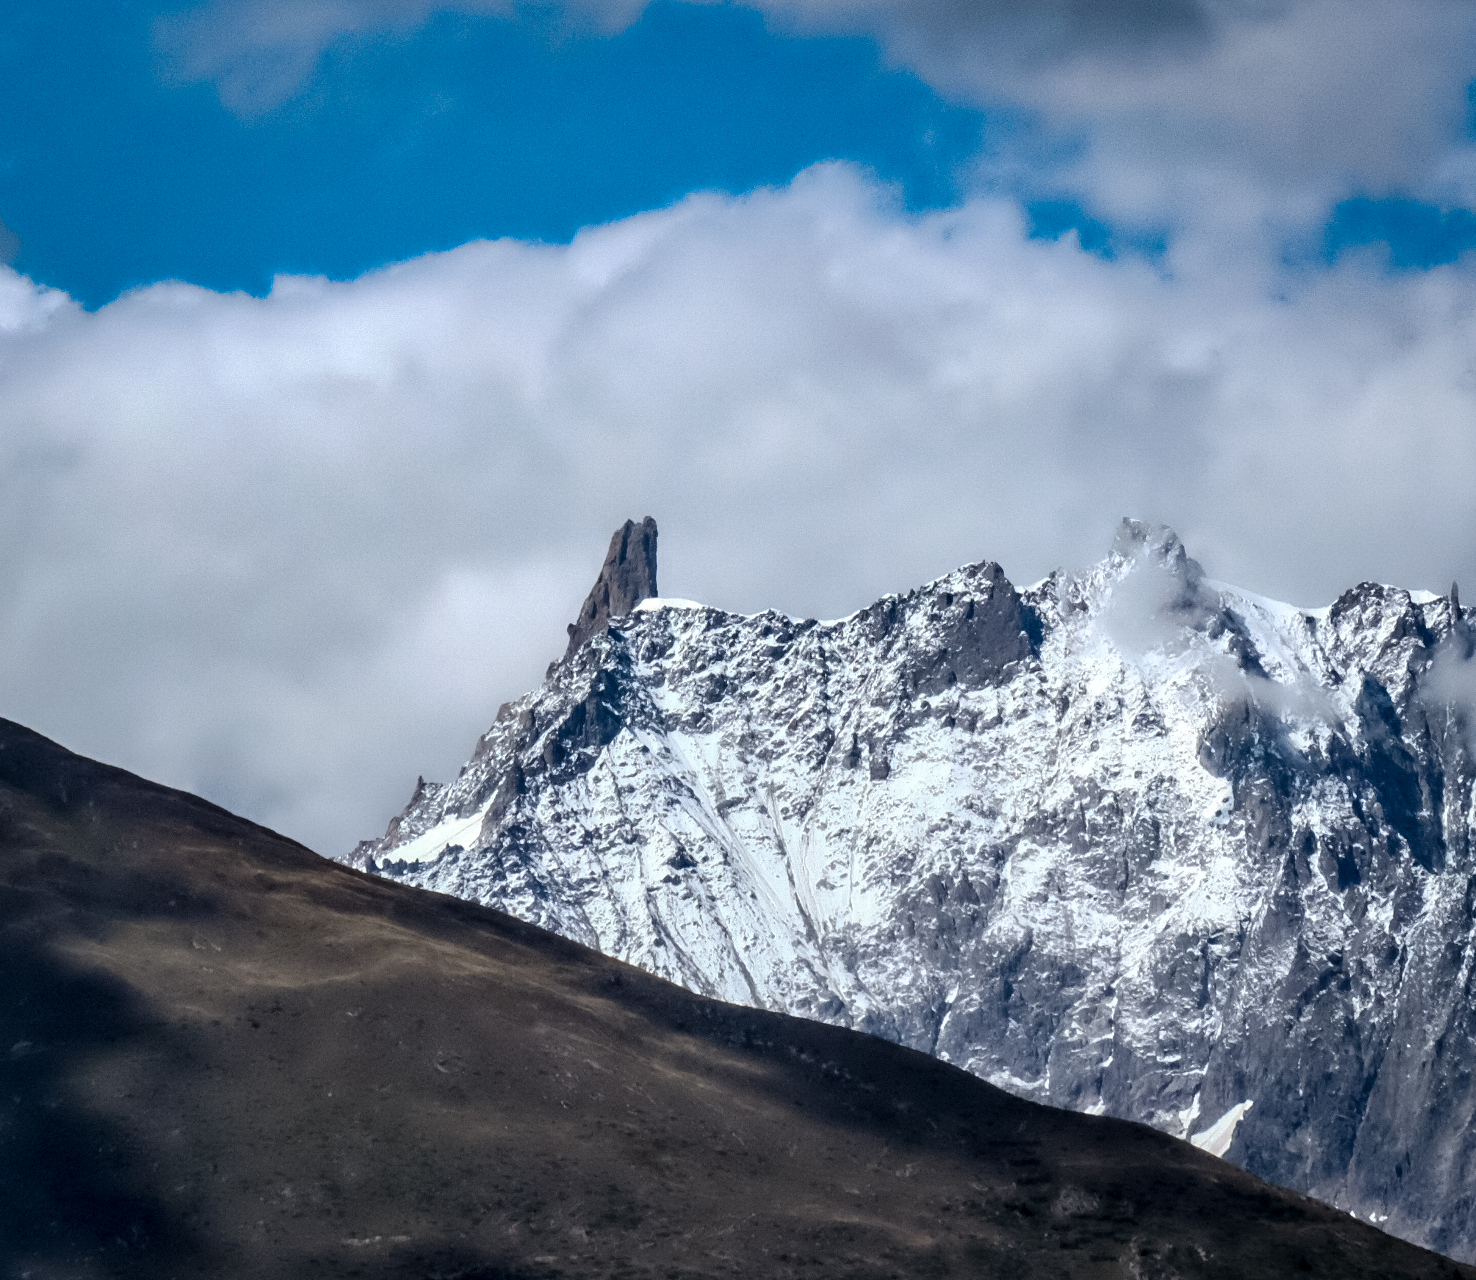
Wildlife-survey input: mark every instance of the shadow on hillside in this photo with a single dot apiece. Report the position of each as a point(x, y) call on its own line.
point(74, 1201)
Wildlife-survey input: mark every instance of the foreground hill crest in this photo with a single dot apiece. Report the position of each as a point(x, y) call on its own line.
point(229, 1057)
point(1128, 841)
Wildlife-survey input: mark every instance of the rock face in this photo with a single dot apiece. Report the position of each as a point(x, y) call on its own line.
point(1129, 841)
point(627, 577)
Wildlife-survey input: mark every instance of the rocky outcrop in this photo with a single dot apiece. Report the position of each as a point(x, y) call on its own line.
point(627, 577)
point(1129, 841)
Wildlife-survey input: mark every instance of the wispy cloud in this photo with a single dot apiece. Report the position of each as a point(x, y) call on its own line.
point(259, 53)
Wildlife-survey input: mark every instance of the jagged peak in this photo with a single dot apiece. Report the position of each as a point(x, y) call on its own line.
point(627, 577)
point(1158, 544)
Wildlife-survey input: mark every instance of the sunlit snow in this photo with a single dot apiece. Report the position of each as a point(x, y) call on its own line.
point(1218, 1137)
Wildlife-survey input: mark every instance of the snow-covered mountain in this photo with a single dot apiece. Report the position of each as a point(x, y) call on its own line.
point(1128, 841)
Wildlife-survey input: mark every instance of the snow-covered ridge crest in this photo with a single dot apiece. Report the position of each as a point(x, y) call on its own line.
point(1131, 841)
point(665, 602)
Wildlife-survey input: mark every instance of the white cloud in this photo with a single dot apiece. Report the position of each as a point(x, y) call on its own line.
point(1231, 123)
point(292, 551)
point(1448, 689)
point(24, 306)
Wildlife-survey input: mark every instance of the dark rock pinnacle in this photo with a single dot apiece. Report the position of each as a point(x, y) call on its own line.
point(627, 578)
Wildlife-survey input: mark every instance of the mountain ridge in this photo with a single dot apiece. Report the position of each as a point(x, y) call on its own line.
point(1129, 841)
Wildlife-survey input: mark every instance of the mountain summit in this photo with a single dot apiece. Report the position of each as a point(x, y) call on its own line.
point(1129, 841)
point(627, 577)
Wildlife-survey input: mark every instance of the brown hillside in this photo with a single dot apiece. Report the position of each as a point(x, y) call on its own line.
point(225, 1056)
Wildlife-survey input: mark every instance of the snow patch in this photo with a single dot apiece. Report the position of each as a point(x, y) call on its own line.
point(1218, 1137)
point(1188, 1116)
point(429, 846)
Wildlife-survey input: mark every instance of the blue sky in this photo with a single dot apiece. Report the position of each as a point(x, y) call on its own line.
point(115, 174)
point(402, 143)
point(843, 292)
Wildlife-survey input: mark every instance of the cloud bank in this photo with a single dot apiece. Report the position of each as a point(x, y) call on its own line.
point(292, 551)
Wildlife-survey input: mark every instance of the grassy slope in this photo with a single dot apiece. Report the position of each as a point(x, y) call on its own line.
point(225, 1056)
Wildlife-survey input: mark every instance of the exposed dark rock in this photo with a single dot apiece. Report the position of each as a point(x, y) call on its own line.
point(975, 636)
point(627, 577)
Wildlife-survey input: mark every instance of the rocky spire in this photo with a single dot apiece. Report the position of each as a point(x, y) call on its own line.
point(627, 578)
